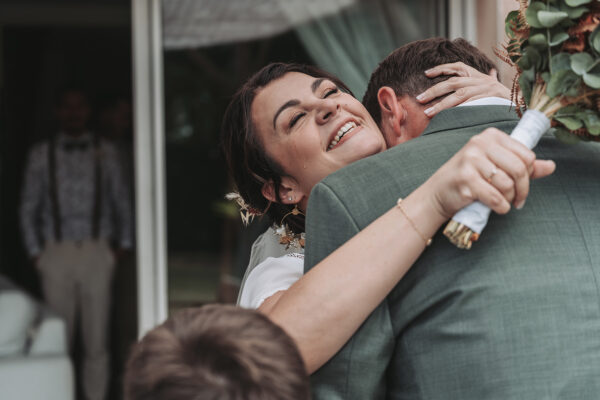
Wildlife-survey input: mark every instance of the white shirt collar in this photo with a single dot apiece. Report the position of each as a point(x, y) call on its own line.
point(488, 101)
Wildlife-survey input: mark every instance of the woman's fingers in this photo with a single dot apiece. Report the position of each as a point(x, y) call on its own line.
point(510, 160)
point(457, 68)
point(503, 183)
point(510, 156)
point(516, 169)
point(492, 168)
point(513, 158)
point(467, 84)
point(448, 86)
point(542, 168)
point(460, 90)
point(491, 197)
point(459, 95)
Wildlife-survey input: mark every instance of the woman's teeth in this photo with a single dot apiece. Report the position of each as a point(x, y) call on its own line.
point(340, 134)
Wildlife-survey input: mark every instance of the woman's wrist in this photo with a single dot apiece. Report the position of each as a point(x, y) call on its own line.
point(424, 209)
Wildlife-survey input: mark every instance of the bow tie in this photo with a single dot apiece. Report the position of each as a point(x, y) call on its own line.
point(74, 146)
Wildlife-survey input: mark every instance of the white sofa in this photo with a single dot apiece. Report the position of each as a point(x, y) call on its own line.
point(34, 360)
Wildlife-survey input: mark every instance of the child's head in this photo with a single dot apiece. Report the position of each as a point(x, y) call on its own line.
point(216, 352)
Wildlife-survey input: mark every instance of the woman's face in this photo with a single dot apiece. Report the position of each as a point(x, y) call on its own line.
point(311, 128)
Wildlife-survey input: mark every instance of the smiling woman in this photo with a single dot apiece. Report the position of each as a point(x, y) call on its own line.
point(287, 128)
point(315, 121)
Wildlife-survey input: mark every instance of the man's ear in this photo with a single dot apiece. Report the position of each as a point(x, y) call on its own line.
point(393, 114)
point(288, 191)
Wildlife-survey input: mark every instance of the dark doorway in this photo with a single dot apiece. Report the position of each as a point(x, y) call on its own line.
point(37, 61)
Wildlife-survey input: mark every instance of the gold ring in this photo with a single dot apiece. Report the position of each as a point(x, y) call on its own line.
point(494, 172)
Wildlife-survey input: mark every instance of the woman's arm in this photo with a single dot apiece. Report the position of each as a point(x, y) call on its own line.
point(467, 84)
point(323, 309)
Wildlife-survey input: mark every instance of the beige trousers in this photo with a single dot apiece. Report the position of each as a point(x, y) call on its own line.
point(76, 280)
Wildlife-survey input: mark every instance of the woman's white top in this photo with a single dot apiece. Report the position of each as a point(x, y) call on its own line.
point(269, 277)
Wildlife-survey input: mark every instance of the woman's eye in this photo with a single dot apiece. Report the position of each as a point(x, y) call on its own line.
point(295, 119)
point(330, 92)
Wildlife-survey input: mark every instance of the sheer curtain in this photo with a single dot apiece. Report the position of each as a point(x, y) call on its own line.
point(350, 40)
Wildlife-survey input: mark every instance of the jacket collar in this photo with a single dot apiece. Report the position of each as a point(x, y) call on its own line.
point(467, 116)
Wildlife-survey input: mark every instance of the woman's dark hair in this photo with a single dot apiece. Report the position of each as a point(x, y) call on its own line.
point(246, 157)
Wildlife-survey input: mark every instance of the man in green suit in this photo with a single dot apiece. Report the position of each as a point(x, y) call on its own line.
point(516, 317)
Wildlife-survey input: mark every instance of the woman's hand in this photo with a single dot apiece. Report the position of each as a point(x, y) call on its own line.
point(467, 84)
point(492, 168)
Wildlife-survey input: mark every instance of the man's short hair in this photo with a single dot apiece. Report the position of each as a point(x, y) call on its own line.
point(216, 352)
point(403, 70)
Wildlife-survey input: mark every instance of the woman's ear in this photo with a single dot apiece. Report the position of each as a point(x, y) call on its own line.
point(393, 114)
point(288, 192)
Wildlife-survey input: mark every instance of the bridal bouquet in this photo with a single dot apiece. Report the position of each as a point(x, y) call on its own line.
point(555, 46)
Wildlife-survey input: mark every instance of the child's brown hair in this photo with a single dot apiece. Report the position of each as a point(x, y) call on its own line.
point(216, 352)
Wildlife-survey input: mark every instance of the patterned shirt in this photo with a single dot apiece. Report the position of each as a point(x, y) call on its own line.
point(75, 181)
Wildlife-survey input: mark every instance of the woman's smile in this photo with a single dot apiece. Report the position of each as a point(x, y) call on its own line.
point(343, 134)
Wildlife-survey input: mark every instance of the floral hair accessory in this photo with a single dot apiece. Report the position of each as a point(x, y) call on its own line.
point(288, 238)
point(247, 213)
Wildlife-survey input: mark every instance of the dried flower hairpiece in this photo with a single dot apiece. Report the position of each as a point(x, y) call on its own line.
point(247, 213)
point(288, 238)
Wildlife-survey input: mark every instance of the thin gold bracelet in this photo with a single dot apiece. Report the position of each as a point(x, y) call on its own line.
point(410, 221)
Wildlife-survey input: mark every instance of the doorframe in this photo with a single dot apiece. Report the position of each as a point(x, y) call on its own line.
point(150, 187)
point(462, 20)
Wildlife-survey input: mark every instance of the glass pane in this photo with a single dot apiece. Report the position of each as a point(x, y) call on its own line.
point(211, 47)
point(49, 63)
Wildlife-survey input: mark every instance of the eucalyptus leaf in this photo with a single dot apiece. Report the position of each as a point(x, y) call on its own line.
point(595, 39)
point(571, 123)
point(529, 74)
point(563, 82)
point(539, 40)
point(574, 89)
point(542, 65)
point(548, 19)
point(592, 80)
point(558, 38)
point(576, 3)
point(581, 63)
point(565, 136)
point(525, 85)
point(531, 14)
point(560, 61)
point(575, 12)
point(569, 111)
point(591, 120)
point(524, 62)
point(546, 76)
point(534, 56)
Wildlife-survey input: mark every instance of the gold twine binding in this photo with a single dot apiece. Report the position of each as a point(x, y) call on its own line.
point(460, 235)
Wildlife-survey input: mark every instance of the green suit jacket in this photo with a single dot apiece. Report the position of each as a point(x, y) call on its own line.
point(516, 317)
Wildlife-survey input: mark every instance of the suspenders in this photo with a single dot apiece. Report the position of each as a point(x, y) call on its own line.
point(97, 189)
point(53, 188)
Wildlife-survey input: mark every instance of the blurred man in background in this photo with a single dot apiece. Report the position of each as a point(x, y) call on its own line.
point(75, 206)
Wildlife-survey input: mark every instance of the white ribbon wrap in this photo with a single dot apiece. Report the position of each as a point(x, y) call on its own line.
point(528, 131)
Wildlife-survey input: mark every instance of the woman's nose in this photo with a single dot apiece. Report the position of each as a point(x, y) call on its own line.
point(327, 109)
